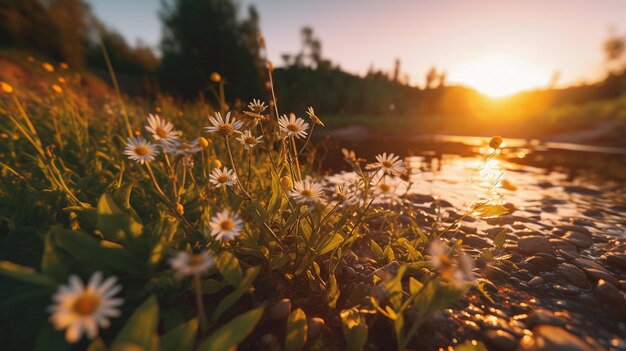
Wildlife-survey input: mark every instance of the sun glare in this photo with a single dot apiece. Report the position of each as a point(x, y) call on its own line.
point(499, 76)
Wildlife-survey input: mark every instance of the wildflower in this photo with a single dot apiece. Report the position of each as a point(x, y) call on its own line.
point(215, 77)
point(30, 59)
point(57, 89)
point(350, 156)
point(292, 126)
point(286, 182)
point(180, 209)
point(225, 126)
point(188, 161)
point(216, 163)
point(6, 87)
point(389, 164)
point(314, 117)
point(248, 140)
point(344, 193)
point(386, 191)
point(183, 147)
point(203, 142)
point(162, 130)
point(222, 177)
point(64, 65)
point(225, 225)
point(48, 67)
point(457, 270)
point(140, 150)
point(306, 191)
point(62, 80)
point(495, 142)
point(83, 309)
point(256, 108)
point(185, 264)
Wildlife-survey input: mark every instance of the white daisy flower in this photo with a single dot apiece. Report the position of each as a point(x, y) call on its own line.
point(140, 150)
point(386, 191)
point(306, 191)
point(186, 264)
point(292, 126)
point(457, 270)
point(81, 309)
point(389, 164)
point(256, 108)
point(225, 126)
point(222, 177)
point(225, 226)
point(311, 113)
point(184, 147)
point(162, 130)
point(345, 193)
point(248, 140)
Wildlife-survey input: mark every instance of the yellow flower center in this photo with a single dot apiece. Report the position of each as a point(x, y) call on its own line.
point(222, 178)
point(306, 193)
point(227, 129)
point(86, 304)
point(227, 225)
point(387, 164)
point(195, 261)
point(250, 140)
point(141, 150)
point(161, 132)
point(384, 187)
point(292, 128)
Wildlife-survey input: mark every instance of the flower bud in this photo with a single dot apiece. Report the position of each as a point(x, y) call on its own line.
point(180, 209)
point(204, 143)
point(215, 77)
point(286, 182)
point(495, 142)
point(216, 164)
point(6, 87)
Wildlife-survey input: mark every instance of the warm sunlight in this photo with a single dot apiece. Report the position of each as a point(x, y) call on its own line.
point(500, 75)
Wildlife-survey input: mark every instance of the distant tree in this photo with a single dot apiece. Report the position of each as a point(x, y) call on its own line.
point(200, 37)
point(431, 78)
point(441, 79)
point(614, 47)
point(68, 17)
point(396, 70)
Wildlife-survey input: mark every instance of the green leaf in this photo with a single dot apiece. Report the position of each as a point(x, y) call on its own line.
point(25, 274)
point(415, 286)
point(228, 266)
point(231, 298)
point(331, 244)
point(500, 238)
point(488, 211)
point(276, 198)
point(116, 225)
point(141, 326)
point(377, 251)
point(354, 327)
point(51, 262)
point(388, 254)
point(97, 345)
point(332, 290)
point(231, 334)
point(181, 338)
point(296, 331)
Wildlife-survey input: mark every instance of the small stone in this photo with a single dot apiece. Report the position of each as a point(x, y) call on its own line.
point(552, 338)
point(270, 342)
point(578, 239)
point(314, 327)
point(574, 228)
point(388, 271)
point(535, 244)
point(349, 273)
point(542, 316)
point(596, 275)
point(468, 229)
point(280, 310)
point(540, 262)
point(574, 275)
point(501, 339)
point(593, 213)
point(566, 289)
point(535, 282)
point(611, 298)
point(617, 259)
point(476, 241)
point(581, 190)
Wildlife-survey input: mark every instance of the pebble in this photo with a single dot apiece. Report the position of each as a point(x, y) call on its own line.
point(553, 338)
point(535, 282)
point(501, 339)
point(476, 241)
point(580, 240)
point(617, 259)
point(612, 299)
point(573, 274)
point(468, 229)
point(535, 244)
point(543, 316)
point(574, 228)
point(280, 310)
point(596, 275)
point(314, 327)
point(540, 262)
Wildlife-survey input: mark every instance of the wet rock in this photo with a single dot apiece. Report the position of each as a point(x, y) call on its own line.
point(540, 262)
point(420, 199)
point(573, 274)
point(476, 241)
point(617, 259)
point(612, 299)
point(583, 263)
point(535, 244)
point(553, 338)
point(314, 327)
point(574, 228)
point(548, 208)
point(501, 339)
point(280, 310)
point(578, 239)
point(387, 271)
point(596, 274)
point(542, 316)
point(492, 232)
point(468, 229)
point(566, 289)
point(501, 220)
point(270, 342)
point(593, 213)
point(581, 190)
point(349, 273)
point(535, 282)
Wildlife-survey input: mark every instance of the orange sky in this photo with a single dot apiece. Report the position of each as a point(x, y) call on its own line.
point(497, 46)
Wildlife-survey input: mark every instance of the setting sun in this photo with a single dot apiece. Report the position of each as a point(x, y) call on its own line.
point(500, 75)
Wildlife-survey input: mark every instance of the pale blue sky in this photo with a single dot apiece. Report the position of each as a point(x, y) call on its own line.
point(540, 35)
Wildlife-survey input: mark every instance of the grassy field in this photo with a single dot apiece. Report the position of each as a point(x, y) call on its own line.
point(123, 229)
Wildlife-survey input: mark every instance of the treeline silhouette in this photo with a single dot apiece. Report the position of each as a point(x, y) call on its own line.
point(201, 37)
